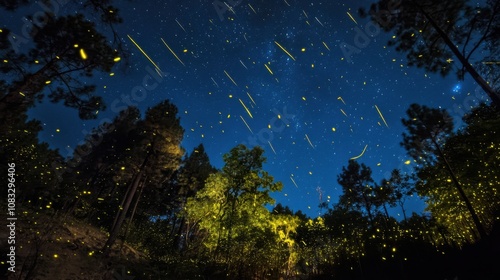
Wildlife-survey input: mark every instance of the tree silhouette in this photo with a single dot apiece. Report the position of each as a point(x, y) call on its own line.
point(431, 32)
point(472, 151)
point(155, 157)
point(356, 181)
point(428, 130)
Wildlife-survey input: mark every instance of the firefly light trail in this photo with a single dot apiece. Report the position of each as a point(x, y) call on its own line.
point(227, 74)
point(382, 117)
point(251, 98)
point(309, 140)
point(269, 69)
point(272, 148)
point(362, 153)
point(172, 52)
point(291, 56)
point(144, 53)
point(244, 106)
point(246, 124)
point(352, 18)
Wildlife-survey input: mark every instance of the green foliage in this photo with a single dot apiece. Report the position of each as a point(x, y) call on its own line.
point(472, 152)
point(240, 231)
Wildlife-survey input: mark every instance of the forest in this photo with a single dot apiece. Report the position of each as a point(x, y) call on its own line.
point(135, 190)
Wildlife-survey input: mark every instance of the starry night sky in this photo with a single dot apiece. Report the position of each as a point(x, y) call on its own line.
point(327, 102)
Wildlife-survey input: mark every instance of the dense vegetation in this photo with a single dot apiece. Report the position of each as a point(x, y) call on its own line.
point(132, 179)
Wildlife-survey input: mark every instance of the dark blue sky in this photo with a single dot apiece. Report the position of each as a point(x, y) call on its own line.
point(326, 100)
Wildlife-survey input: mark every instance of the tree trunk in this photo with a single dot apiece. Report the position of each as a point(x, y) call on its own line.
point(475, 218)
point(120, 216)
point(403, 209)
point(472, 71)
point(141, 187)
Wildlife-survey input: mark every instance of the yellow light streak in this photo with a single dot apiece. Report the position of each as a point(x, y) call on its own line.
point(272, 148)
point(352, 18)
point(144, 53)
point(268, 69)
point(291, 56)
point(246, 124)
point(172, 51)
point(326, 46)
point(180, 25)
point(319, 21)
point(252, 8)
point(343, 112)
point(251, 98)
point(340, 98)
point(214, 82)
point(244, 106)
point(381, 116)
point(243, 64)
point(309, 140)
point(227, 74)
point(362, 153)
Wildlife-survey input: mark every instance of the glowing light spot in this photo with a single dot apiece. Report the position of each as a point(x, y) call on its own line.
point(58, 130)
point(83, 54)
point(407, 162)
point(333, 129)
point(117, 59)
point(56, 256)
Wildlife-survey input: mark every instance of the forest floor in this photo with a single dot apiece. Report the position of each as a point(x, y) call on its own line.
point(57, 247)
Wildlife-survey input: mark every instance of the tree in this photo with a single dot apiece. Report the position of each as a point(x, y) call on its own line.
point(155, 156)
point(401, 188)
point(56, 57)
point(186, 182)
point(472, 151)
point(428, 130)
point(20, 145)
point(231, 210)
point(67, 51)
point(356, 181)
point(431, 32)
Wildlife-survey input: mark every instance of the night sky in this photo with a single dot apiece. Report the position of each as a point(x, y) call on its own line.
point(310, 106)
